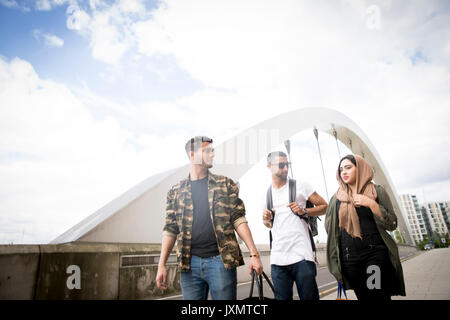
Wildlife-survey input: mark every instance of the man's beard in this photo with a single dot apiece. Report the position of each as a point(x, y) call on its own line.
point(282, 176)
point(208, 165)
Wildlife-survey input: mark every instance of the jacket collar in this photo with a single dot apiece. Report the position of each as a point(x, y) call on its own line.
point(212, 180)
point(186, 186)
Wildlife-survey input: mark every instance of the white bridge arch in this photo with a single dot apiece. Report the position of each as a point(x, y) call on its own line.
point(137, 216)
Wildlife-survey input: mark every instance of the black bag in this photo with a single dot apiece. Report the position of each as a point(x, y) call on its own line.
point(312, 221)
point(259, 284)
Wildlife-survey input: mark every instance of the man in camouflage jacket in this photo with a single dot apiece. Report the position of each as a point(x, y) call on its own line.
point(226, 213)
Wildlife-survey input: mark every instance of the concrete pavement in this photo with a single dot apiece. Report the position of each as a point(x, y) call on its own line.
point(427, 277)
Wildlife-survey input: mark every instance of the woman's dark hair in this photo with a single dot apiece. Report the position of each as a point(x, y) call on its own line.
point(349, 157)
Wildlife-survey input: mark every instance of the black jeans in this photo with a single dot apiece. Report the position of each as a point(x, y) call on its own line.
point(366, 265)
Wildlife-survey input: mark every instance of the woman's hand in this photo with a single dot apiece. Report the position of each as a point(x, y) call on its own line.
point(361, 200)
point(364, 201)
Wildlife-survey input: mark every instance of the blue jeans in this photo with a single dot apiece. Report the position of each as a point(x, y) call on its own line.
point(303, 273)
point(208, 274)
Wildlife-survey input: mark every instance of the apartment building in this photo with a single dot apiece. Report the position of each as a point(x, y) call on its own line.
point(437, 213)
point(415, 217)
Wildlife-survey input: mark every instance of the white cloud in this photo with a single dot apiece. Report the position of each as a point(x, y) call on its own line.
point(108, 27)
point(9, 3)
point(47, 5)
point(77, 18)
point(58, 164)
point(104, 28)
point(43, 5)
point(131, 6)
point(49, 39)
point(107, 42)
point(13, 4)
point(53, 40)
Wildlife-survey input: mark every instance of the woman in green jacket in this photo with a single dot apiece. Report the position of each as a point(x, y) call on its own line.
point(361, 254)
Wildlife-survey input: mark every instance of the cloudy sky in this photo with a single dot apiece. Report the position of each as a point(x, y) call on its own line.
point(96, 96)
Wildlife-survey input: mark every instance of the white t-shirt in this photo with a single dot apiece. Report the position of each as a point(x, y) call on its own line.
point(290, 234)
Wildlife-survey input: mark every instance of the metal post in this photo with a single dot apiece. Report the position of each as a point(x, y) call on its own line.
point(335, 137)
point(287, 144)
point(316, 133)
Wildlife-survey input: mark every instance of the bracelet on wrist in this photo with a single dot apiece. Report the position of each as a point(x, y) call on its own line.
point(254, 255)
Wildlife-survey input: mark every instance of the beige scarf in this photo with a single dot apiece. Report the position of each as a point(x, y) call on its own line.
point(348, 218)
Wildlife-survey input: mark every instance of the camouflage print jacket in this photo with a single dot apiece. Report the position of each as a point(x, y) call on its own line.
point(227, 212)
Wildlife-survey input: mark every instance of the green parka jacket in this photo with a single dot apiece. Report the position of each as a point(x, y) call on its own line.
point(388, 222)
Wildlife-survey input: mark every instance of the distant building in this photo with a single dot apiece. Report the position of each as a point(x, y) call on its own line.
point(437, 213)
point(426, 218)
point(415, 217)
point(427, 221)
point(445, 210)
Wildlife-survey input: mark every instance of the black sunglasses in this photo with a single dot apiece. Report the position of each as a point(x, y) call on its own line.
point(281, 165)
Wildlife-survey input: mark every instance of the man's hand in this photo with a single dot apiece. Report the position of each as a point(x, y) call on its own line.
point(245, 234)
point(167, 244)
point(296, 208)
point(161, 278)
point(255, 264)
point(267, 218)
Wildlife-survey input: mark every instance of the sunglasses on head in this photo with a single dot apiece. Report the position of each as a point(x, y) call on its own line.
point(281, 165)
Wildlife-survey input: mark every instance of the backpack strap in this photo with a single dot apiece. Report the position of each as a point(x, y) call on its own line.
point(292, 190)
point(292, 196)
point(269, 201)
point(269, 205)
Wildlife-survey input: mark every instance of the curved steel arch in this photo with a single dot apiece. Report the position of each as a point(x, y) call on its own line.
point(128, 218)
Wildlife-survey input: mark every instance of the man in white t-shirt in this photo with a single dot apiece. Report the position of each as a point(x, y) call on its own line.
point(291, 256)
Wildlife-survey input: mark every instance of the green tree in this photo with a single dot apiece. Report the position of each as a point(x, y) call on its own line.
point(421, 244)
point(398, 236)
point(437, 239)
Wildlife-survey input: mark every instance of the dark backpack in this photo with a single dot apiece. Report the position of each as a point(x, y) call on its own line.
point(312, 221)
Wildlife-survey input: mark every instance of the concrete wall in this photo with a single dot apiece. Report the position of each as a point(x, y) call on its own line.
point(98, 272)
point(106, 271)
point(44, 272)
point(139, 283)
point(18, 271)
point(406, 250)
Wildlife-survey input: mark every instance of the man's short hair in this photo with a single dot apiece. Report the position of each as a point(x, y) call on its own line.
point(195, 143)
point(274, 154)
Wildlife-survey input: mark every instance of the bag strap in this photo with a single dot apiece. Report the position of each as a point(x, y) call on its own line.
point(252, 284)
point(259, 284)
point(311, 238)
point(292, 196)
point(269, 282)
